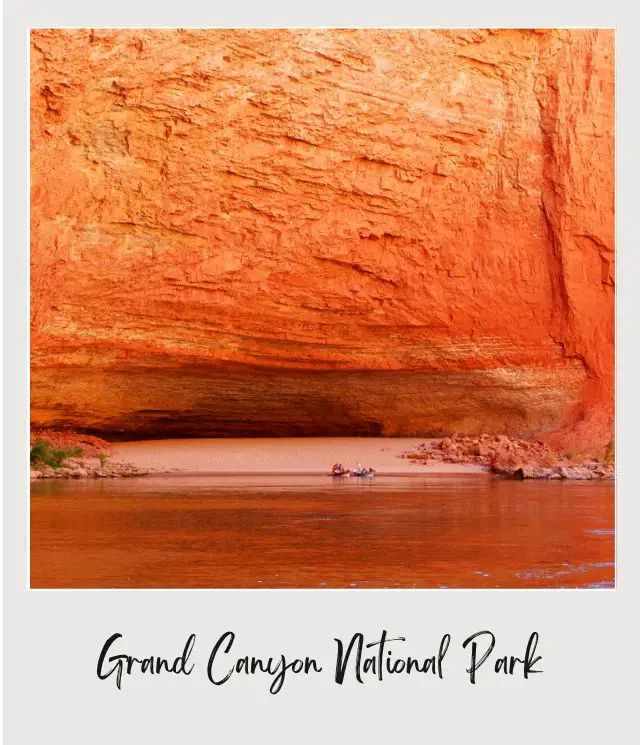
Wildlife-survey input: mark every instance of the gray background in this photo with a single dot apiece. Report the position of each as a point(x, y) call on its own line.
point(52, 638)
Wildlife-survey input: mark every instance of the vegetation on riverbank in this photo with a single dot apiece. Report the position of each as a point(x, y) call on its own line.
point(43, 453)
point(49, 460)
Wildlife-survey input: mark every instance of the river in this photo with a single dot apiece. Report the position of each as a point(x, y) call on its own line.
point(418, 531)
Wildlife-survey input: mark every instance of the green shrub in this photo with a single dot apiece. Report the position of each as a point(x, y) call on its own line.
point(569, 454)
point(43, 453)
point(40, 451)
point(102, 457)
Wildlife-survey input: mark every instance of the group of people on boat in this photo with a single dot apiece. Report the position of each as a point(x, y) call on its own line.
point(339, 470)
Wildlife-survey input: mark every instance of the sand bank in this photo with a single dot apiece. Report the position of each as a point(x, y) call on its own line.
point(281, 455)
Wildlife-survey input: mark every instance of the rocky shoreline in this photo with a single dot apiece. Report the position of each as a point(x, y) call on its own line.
point(84, 469)
point(520, 459)
point(70, 455)
point(91, 459)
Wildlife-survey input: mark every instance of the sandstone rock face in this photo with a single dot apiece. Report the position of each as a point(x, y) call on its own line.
point(264, 232)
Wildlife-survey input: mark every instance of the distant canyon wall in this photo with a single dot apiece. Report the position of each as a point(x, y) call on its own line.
point(299, 232)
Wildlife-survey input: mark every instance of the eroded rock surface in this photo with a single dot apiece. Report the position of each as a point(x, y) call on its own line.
point(323, 232)
point(521, 459)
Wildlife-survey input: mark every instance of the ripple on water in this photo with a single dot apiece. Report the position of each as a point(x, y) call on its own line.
point(604, 585)
point(261, 532)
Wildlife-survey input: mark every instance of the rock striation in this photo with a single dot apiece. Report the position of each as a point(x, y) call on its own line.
point(327, 232)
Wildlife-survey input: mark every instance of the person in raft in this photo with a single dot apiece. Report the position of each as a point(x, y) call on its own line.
point(337, 469)
point(360, 471)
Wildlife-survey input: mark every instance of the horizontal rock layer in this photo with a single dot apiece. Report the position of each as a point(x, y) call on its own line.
point(154, 401)
point(270, 232)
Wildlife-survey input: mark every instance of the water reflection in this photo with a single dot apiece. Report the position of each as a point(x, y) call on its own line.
point(269, 531)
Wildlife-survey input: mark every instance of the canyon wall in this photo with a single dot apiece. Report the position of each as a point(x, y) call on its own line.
point(296, 232)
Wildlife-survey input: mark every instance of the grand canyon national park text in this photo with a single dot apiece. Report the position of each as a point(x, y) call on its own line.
point(357, 658)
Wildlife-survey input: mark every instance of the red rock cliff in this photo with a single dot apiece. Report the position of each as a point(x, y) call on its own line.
point(323, 232)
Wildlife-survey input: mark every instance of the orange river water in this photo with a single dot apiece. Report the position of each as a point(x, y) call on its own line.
point(425, 530)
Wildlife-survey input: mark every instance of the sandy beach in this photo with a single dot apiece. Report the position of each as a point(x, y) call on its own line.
point(312, 455)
